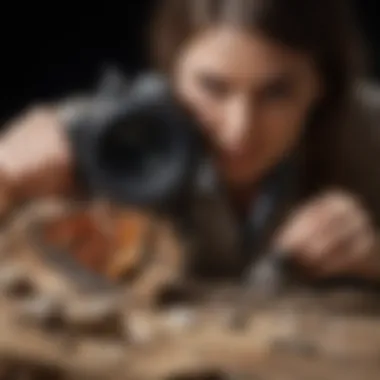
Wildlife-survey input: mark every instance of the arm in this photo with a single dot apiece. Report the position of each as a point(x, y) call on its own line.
point(336, 233)
point(371, 269)
point(36, 157)
point(360, 155)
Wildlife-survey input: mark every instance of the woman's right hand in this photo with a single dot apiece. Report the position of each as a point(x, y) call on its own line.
point(35, 158)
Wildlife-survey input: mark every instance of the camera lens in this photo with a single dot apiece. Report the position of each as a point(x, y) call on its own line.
point(133, 147)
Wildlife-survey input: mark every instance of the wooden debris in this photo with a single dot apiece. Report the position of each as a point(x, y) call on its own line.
point(54, 329)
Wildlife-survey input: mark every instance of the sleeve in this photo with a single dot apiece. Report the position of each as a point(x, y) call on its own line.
point(112, 86)
point(70, 108)
point(78, 116)
point(359, 150)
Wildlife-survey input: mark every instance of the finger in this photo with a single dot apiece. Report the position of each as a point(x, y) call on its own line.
point(326, 234)
point(348, 260)
point(321, 226)
point(341, 200)
point(336, 236)
point(318, 234)
point(340, 218)
point(300, 226)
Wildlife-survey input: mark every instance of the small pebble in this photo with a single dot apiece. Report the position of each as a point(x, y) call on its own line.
point(180, 318)
point(15, 281)
point(44, 311)
point(99, 315)
point(140, 329)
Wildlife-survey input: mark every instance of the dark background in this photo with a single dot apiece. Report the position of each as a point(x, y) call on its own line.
point(51, 50)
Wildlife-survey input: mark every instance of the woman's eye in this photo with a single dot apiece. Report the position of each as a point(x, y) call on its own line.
point(215, 87)
point(278, 90)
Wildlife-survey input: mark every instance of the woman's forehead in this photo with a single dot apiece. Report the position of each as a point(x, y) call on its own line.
point(234, 53)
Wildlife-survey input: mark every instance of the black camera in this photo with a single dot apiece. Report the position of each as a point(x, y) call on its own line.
point(136, 144)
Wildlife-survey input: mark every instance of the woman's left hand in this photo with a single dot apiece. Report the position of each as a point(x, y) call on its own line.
point(331, 236)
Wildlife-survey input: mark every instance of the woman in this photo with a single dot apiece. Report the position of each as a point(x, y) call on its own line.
point(265, 79)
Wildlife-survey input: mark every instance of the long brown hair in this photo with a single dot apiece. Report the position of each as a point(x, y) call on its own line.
point(325, 29)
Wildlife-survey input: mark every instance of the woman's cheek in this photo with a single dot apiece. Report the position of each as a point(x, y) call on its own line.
point(205, 109)
point(284, 126)
point(209, 114)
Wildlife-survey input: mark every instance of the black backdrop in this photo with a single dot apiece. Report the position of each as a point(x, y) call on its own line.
point(51, 50)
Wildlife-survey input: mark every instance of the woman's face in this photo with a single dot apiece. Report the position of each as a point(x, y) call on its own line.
point(251, 95)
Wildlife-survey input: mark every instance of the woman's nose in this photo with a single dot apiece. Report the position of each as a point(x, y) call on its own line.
point(237, 123)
